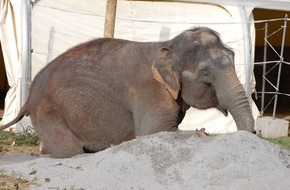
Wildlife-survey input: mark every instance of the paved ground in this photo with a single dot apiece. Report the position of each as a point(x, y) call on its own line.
point(15, 157)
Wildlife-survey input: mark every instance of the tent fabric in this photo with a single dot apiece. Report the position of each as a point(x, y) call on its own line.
point(57, 27)
point(10, 37)
point(141, 21)
point(264, 4)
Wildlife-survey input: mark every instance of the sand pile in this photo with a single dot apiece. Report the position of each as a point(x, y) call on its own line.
point(166, 160)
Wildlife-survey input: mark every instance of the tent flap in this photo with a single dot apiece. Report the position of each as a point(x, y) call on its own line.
point(10, 37)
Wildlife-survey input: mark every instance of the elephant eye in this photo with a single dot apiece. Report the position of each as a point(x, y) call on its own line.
point(203, 72)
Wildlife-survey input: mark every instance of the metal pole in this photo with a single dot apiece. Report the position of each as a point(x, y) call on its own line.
point(280, 65)
point(264, 69)
point(110, 18)
point(248, 66)
point(26, 49)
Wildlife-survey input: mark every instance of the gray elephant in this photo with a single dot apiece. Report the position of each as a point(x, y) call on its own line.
point(107, 91)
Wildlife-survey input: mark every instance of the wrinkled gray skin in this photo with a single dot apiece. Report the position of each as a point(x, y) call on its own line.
point(107, 91)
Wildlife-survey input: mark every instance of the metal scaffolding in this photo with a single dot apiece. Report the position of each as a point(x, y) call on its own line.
point(277, 63)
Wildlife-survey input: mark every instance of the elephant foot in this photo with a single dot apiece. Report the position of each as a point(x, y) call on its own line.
point(201, 133)
point(43, 148)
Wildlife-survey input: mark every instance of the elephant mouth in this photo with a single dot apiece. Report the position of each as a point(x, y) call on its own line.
point(223, 110)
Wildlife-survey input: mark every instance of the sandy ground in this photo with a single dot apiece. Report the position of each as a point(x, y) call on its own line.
point(164, 160)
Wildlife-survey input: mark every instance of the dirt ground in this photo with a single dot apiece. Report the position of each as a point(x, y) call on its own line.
point(12, 155)
point(239, 160)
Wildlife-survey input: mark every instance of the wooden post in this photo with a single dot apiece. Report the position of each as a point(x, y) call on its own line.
point(110, 18)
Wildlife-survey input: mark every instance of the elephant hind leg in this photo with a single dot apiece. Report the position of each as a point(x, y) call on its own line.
point(57, 139)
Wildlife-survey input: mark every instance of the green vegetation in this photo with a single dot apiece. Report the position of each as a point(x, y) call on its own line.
point(282, 141)
point(26, 138)
point(18, 142)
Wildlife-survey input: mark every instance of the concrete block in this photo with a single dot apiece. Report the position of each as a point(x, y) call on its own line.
point(268, 127)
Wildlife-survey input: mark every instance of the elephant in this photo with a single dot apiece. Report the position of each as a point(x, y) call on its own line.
point(107, 91)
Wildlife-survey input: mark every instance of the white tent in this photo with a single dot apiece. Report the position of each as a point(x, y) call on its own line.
point(57, 26)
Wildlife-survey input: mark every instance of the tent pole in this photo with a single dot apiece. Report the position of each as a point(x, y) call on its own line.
point(248, 87)
point(26, 49)
point(110, 18)
point(264, 68)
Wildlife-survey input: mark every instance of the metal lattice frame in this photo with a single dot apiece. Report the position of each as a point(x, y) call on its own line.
point(277, 63)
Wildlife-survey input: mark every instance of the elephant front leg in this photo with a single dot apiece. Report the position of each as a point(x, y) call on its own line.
point(155, 111)
point(155, 121)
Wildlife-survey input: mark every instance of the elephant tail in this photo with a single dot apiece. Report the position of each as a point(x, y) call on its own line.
point(24, 111)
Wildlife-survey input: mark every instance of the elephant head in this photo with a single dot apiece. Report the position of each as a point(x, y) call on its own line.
point(199, 67)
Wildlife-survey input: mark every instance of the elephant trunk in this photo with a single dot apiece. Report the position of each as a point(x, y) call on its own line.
point(232, 97)
point(238, 106)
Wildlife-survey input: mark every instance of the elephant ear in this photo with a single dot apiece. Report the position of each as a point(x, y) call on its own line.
point(165, 71)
